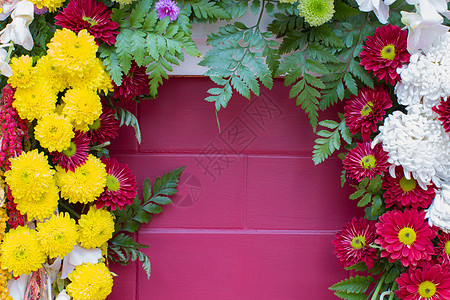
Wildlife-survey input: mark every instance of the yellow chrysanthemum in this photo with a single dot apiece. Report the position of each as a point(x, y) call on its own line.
point(34, 102)
point(54, 132)
point(21, 252)
point(71, 51)
point(4, 277)
point(93, 78)
point(90, 282)
point(3, 220)
point(85, 184)
point(30, 175)
point(39, 208)
point(23, 72)
point(54, 76)
point(58, 236)
point(82, 107)
point(96, 228)
point(52, 5)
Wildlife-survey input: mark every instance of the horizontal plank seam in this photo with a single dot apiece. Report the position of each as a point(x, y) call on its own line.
point(237, 231)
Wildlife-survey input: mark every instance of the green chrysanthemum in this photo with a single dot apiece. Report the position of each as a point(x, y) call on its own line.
point(316, 12)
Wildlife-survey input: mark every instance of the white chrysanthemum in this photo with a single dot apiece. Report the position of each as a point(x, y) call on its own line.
point(417, 143)
point(426, 78)
point(439, 212)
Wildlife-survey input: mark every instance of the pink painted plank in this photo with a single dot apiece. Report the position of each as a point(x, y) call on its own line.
point(181, 121)
point(292, 193)
point(126, 140)
point(124, 286)
point(244, 266)
point(200, 202)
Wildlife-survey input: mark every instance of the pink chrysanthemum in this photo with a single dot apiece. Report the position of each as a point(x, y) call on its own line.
point(443, 110)
point(91, 15)
point(105, 128)
point(443, 249)
point(405, 236)
point(120, 188)
point(134, 84)
point(167, 8)
point(363, 161)
point(364, 111)
point(384, 52)
point(405, 192)
point(431, 283)
point(75, 155)
point(352, 243)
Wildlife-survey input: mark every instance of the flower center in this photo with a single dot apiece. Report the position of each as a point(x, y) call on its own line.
point(368, 162)
point(388, 52)
point(367, 109)
point(95, 125)
point(427, 289)
point(91, 21)
point(407, 185)
point(71, 150)
point(358, 242)
point(447, 247)
point(21, 253)
point(407, 236)
point(112, 183)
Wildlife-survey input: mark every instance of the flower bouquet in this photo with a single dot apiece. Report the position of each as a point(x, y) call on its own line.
point(67, 208)
point(397, 159)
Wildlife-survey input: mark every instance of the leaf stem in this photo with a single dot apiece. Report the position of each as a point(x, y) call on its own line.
point(378, 287)
point(70, 209)
point(393, 288)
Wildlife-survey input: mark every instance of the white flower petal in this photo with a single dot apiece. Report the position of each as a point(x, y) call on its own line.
point(63, 296)
point(78, 256)
point(17, 287)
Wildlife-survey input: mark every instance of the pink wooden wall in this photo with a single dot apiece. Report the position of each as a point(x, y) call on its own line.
point(253, 219)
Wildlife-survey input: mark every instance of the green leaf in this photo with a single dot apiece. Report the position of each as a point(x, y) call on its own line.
point(393, 274)
point(324, 147)
point(375, 184)
point(351, 296)
point(376, 205)
point(146, 190)
point(357, 194)
point(152, 208)
point(365, 200)
point(127, 118)
point(354, 285)
point(161, 200)
point(361, 267)
point(364, 182)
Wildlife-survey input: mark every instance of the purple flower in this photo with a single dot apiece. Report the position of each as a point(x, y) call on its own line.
point(167, 8)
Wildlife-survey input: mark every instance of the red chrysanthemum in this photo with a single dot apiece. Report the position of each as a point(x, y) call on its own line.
point(405, 236)
point(431, 283)
point(134, 84)
point(443, 250)
point(405, 192)
point(443, 110)
point(363, 161)
point(91, 15)
point(384, 52)
point(105, 128)
point(352, 243)
point(120, 187)
point(365, 110)
point(75, 155)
